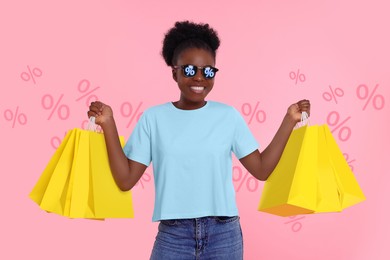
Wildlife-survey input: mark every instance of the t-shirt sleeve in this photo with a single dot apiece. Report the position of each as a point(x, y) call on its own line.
point(138, 146)
point(244, 142)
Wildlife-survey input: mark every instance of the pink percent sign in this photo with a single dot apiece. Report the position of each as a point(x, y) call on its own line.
point(247, 110)
point(26, 76)
point(297, 76)
point(333, 94)
point(296, 226)
point(15, 116)
point(346, 156)
point(83, 88)
point(127, 111)
point(338, 125)
point(243, 178)
point(55, 107)
point(145, 177)
point(378, 101)
point(56, 141)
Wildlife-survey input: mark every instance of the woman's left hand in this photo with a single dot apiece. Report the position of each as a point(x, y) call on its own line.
point(295, 110)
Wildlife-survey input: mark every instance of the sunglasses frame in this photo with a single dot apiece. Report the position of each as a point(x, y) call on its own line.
point(201, 68)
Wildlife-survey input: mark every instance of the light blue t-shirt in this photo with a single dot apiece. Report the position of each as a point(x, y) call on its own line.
point(191, 151)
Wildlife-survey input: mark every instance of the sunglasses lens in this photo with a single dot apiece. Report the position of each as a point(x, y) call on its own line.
point(208, 72)
point(189, 70)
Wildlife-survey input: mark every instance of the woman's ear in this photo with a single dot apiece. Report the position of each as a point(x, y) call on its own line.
point(174, 76)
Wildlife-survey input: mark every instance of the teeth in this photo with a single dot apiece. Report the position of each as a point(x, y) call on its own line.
point(197, 88)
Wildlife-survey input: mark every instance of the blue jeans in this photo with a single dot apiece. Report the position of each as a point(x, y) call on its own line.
point(200, 238)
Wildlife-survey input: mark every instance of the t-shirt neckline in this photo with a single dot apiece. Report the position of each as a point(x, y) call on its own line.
point(190, 110)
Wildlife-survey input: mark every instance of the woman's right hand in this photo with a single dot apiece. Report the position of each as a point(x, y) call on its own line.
point(102, 112)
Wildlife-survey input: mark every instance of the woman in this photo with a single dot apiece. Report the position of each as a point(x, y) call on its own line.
point(190, 142)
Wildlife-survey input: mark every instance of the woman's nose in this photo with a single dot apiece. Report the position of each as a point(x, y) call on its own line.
point(199, 75)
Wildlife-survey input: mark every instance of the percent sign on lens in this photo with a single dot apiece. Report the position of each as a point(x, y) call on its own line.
point(31, 74)
point(296, 225)
point(297, 76)
point(48, 104)
point(251, 183)
point(127, 111)
point(349, 162)
point(333, 94)
point(247, 110)
point(83, 88)
point(145, 178)
point(335, 122)
point(15, 116)
point(378, 101)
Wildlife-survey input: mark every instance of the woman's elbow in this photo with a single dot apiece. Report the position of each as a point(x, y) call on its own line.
point(262, 175)
point(124, 186)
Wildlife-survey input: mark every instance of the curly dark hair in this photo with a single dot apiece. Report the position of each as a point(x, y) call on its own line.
point(185, 35)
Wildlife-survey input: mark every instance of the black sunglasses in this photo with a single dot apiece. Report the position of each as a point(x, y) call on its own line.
point(190, 71)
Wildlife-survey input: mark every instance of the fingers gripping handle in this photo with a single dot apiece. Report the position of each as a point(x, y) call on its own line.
point(304, 120)
point(91, 124)
point(304, 116)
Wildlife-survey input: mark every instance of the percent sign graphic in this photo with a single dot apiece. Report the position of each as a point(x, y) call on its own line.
point(62, 110)
point(26, 76)
point(83, 88)
point(297, 76)
point(15, 116)
point(243, 178)
point(247, 110)
point(296, 225)
point(338, 125)
point(378, 101)
point(127, 111)
point(145, 178)
point(56, 141)
point(349, 162)
point(333, 94)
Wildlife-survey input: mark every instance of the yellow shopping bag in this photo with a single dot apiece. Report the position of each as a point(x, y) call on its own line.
point(312, 176)
point(328, 199)
point(291, 189)
point(76, 204)
point(48, 192)
point(78, 182)
point(107, 199)
point(349, 190)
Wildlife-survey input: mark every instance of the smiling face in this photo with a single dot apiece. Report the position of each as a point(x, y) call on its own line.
point(193, 90)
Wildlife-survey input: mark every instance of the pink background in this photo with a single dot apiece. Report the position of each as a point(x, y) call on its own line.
point(49, 47)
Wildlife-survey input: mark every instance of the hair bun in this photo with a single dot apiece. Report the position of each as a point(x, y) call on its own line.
point(192, 34)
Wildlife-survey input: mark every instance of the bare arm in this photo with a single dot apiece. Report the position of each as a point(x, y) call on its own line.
point(126, 172)
point(261, 165)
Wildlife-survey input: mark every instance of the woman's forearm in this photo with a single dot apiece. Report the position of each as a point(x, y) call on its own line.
point(271, 155)
point(118, 161)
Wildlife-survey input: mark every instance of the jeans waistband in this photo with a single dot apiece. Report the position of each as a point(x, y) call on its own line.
point(220, 219)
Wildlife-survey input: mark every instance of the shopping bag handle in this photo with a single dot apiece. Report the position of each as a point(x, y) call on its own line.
point(304, 120)
point(92, 126)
